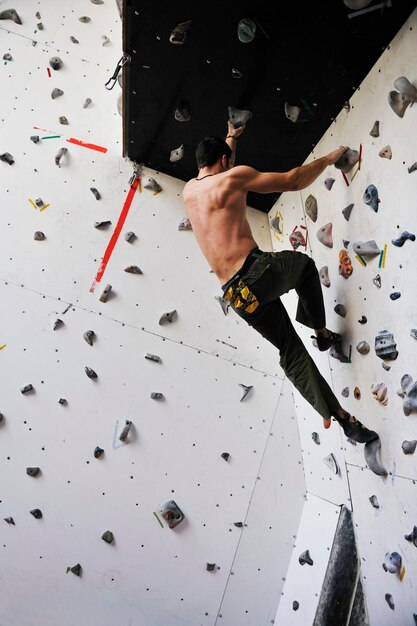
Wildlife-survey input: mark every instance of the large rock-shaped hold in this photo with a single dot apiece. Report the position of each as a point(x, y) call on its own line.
point(311, 207)
point(370, 197)
point(347, 160)
point(408, 392)
point(325, 235)
point(385, 346)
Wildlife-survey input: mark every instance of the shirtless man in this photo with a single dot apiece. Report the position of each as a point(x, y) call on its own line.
point(252, 280)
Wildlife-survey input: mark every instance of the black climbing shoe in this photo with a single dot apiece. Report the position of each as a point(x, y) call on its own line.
point(355, 430)
point(324, 343)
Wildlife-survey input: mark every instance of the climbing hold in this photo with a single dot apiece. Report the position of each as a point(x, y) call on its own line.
point(412, 168)
point(363, 319)
point(27, 389)
point(98, 452)
point(37, 513)
point(126, 429)
point(7, 158)
point(246, 391)
point(329, 182)
point(225, 456)
point(392, 562)
point(292, 111)
point(395, 295)
point(398, 102)
point(177, 154)
point(1, 418)
point(377, 281)
point(58, 324)
point(89, 336)
point(55, 93)
point(385, 347)
point(236, 73)
point(61, 152)
point(372, 451)
point(295, 605)
point(357, 393)
point(347, 211)
point(10, 14)
point(103, 224)
point(185, 224)
point(87, 103)
point(305, 558)
point(152, 357)
point(374, 501)
point(107, 536)
point(157, 395)
point(297, 239)
point(167, 317)
point(95, 193)
point(324, 235)
point(311, 207)
point(35, 138)
point(223, 303)
point(385, 152)
point(171, 513)
point(363, 347)
point(345, 392)
point(210, 567)
point(374, 132)
point(63, 120)
point(39, 236)
point(84, 19)
point(409, 447)
point(33, 471)
point(413, 333)
point(238, 524)
point(105, 40)
point(90, 372)
point(405, 235)
point(97, 1)
point(130, 236)
point(336, 352)
point(315, 437)
point(56, 63)
point(63, 401)
point(345, 264)
point(380, 393)
point(412, 536)
point(106, 292)
point(246, 30)
point(151, 184)
point(370, 197)
point(238, 117)
point(276, 224)
point(366, 248)
point(331, 462)
point(340, 309)
point(179, 32)
point(390, 601)
point(9, 520)
point(76, 569)
point(183, 112)
point(324, 276)
point(73, 39)
point(133, 269)
point(403, 85)
point(7, 57)
point(356, 4)
point(347, 160)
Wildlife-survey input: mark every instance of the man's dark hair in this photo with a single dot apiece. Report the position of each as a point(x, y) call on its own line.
point(210, 150)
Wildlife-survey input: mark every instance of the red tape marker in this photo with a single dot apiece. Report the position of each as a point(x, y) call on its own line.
point(116, 233)
point(92, 146)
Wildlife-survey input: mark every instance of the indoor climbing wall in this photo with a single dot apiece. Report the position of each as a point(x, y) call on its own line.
point(358, 222)
point(151, 468)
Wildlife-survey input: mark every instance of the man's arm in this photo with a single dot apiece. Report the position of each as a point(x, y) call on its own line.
point(232, 134)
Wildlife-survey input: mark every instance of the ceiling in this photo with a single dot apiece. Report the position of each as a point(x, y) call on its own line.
point(308, 54)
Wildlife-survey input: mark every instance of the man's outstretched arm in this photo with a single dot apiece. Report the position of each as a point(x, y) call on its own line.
point(231, 139)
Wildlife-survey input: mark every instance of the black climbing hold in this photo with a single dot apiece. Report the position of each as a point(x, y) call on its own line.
point(171, 513)
point(33, 471)
point(295, 605)
point(390, 601)
point(37, 513)
point(107, 536)
point(395, 295)
point(10, 520)
point(412, 536)
point(63, 401)
point(238, 524)
point(210, 567)
point(76, 569)
point(399, 242)
point(7, 158)
point(225, 456)
point(305, 558)
point(89, 336)
point(90, 372)
point(98, 452)
point(27, 389)
point(123, 435)
point(363, 319)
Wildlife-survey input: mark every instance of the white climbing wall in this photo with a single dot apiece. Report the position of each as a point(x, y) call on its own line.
point(382, 530)
point(242, 514)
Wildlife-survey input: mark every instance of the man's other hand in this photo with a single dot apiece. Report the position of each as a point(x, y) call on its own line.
point(234, 131)
point(336, 154)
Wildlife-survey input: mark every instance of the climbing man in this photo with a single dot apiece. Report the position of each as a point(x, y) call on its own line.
point(253, 280)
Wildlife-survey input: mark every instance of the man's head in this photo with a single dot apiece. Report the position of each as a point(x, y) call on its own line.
point(210, 150)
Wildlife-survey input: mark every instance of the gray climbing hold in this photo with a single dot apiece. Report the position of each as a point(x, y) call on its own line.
point(104, 40)
point(125, 432)
point(37, 513)
point(210, 567)
point(292, 111)
point(412, 536)
point(130, 236)
point(84, 19)
point(372, 452)
point(95, 193)
point(9, 520)
point(157, 395)
point(177, 154)
point(238, 117)
point(347, 160)
point(392, 562)
point(171, 513)
point(133, 269)
point(183, 112)
point(398, 102)
point(370, 197)
point(27, 389)
point(61, 152)
point(380, 393)
point(167, 317)
point(10, 14)
point(246, 30)
point(374, 132)
point(225, 456)
point(33, 471)
point(340, 309)
point(39, 236)
point(58, 324)
point(409, 447)
point(324, 235)
point(295, 605)
point(366, 248)
point(151, 184)
point(56, 63)
point(87, 103)
point(179, 32)
point(377, 281)
point(152, 357)
point(347, 211)
point(311, 207)
point(363, 347)
point(108, 536)
point(413, 333)
point(90, 372)
point(76, 569)
point(73, 39)
point(336, 352)
point(185, 224)
point(106, 292)
point(345, 392)
point(246, 391)
point(236, 73)
point(316, 438)
point(403, 85)
point(390, 601)
point(56, 93)
point(329, 182)
point(98, 452)
point(103, 224)
point(63, 120)
point(324, 276)
point(385, 346)
point(331, 462)
point(386, 367)
point(374, 501)
point(405, 235)
point(7, 158)
point(89, 336)
point(385, 152)
point(305, 558)
point(276, 224)
point(395, 295)
point(363, 319)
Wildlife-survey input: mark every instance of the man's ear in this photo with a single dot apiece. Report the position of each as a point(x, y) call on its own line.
point(225, 162)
